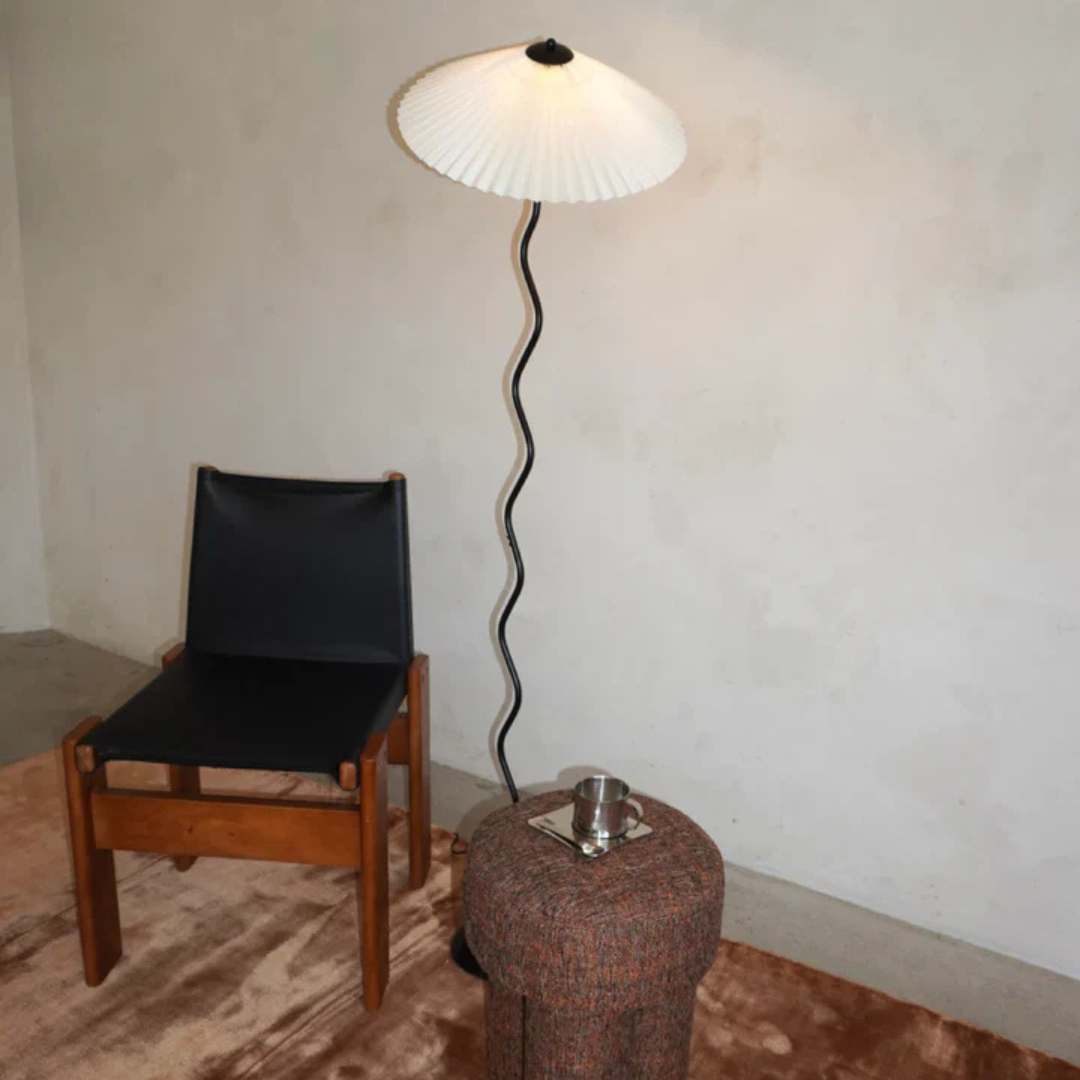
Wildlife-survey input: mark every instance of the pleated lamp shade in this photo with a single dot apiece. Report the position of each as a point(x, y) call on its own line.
point(565, 131)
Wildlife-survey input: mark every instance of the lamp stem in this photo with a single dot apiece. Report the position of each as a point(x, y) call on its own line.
point(459, 947)
point(515, 491)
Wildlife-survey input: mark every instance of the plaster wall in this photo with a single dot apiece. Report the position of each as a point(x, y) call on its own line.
point(23, 603)
point(802, 536)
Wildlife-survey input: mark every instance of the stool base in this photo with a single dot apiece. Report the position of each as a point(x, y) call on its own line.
point(530, 1040)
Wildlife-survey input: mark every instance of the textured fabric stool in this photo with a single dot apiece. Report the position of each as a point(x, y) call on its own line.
point(593, 963)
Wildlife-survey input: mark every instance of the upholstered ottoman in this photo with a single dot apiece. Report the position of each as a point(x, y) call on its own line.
point(593, 963)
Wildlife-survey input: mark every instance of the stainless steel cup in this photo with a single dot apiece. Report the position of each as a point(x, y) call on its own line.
point(601, 808)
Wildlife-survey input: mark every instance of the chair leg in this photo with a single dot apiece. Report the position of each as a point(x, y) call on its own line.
point(374, 873)
point(419, 772)
point(95, 870)
point(184, 779)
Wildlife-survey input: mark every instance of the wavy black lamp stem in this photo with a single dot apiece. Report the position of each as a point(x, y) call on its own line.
point(459, 947)
point(515, 491)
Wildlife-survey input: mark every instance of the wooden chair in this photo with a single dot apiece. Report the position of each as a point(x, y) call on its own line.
point(298, 658)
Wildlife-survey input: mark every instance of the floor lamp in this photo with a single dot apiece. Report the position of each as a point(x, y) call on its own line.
point(543, 124)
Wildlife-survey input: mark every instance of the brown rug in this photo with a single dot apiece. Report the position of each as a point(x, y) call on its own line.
point(246, 969)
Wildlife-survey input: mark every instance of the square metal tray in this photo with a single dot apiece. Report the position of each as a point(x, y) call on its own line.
point(559, 825)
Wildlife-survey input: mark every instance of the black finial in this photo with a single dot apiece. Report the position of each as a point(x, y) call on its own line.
point(549, 52)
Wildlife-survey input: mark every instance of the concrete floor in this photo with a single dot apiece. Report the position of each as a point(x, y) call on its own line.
point(49, 682)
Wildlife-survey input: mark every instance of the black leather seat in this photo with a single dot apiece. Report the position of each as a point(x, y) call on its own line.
point(299, 630)
point(253, 713)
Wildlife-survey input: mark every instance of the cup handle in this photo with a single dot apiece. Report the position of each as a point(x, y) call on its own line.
point(640, 814)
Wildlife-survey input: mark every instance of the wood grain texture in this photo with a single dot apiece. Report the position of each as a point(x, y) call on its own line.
point(227, 826)
point(375, 873)
point(95, 869)
point(184, 780)
point(171, 656)
point(347, 776)
point(86, 759)
point(397, 740)
point(419, 770)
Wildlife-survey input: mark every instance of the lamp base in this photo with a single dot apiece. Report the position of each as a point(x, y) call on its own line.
point(462, 955)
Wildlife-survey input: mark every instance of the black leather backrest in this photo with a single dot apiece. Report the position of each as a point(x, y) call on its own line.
point(300, 569)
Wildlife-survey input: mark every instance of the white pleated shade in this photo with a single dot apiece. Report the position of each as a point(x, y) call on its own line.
point(576, 132)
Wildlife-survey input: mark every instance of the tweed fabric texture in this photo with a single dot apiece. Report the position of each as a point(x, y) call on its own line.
point(606, 953)
point(620, 931)
point(504, 1032)
point(565, 1043)
point(528, 1040)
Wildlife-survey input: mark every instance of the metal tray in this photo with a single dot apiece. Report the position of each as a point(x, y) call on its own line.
point(559, 825)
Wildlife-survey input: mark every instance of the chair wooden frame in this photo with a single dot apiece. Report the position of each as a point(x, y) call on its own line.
point(185, 823)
